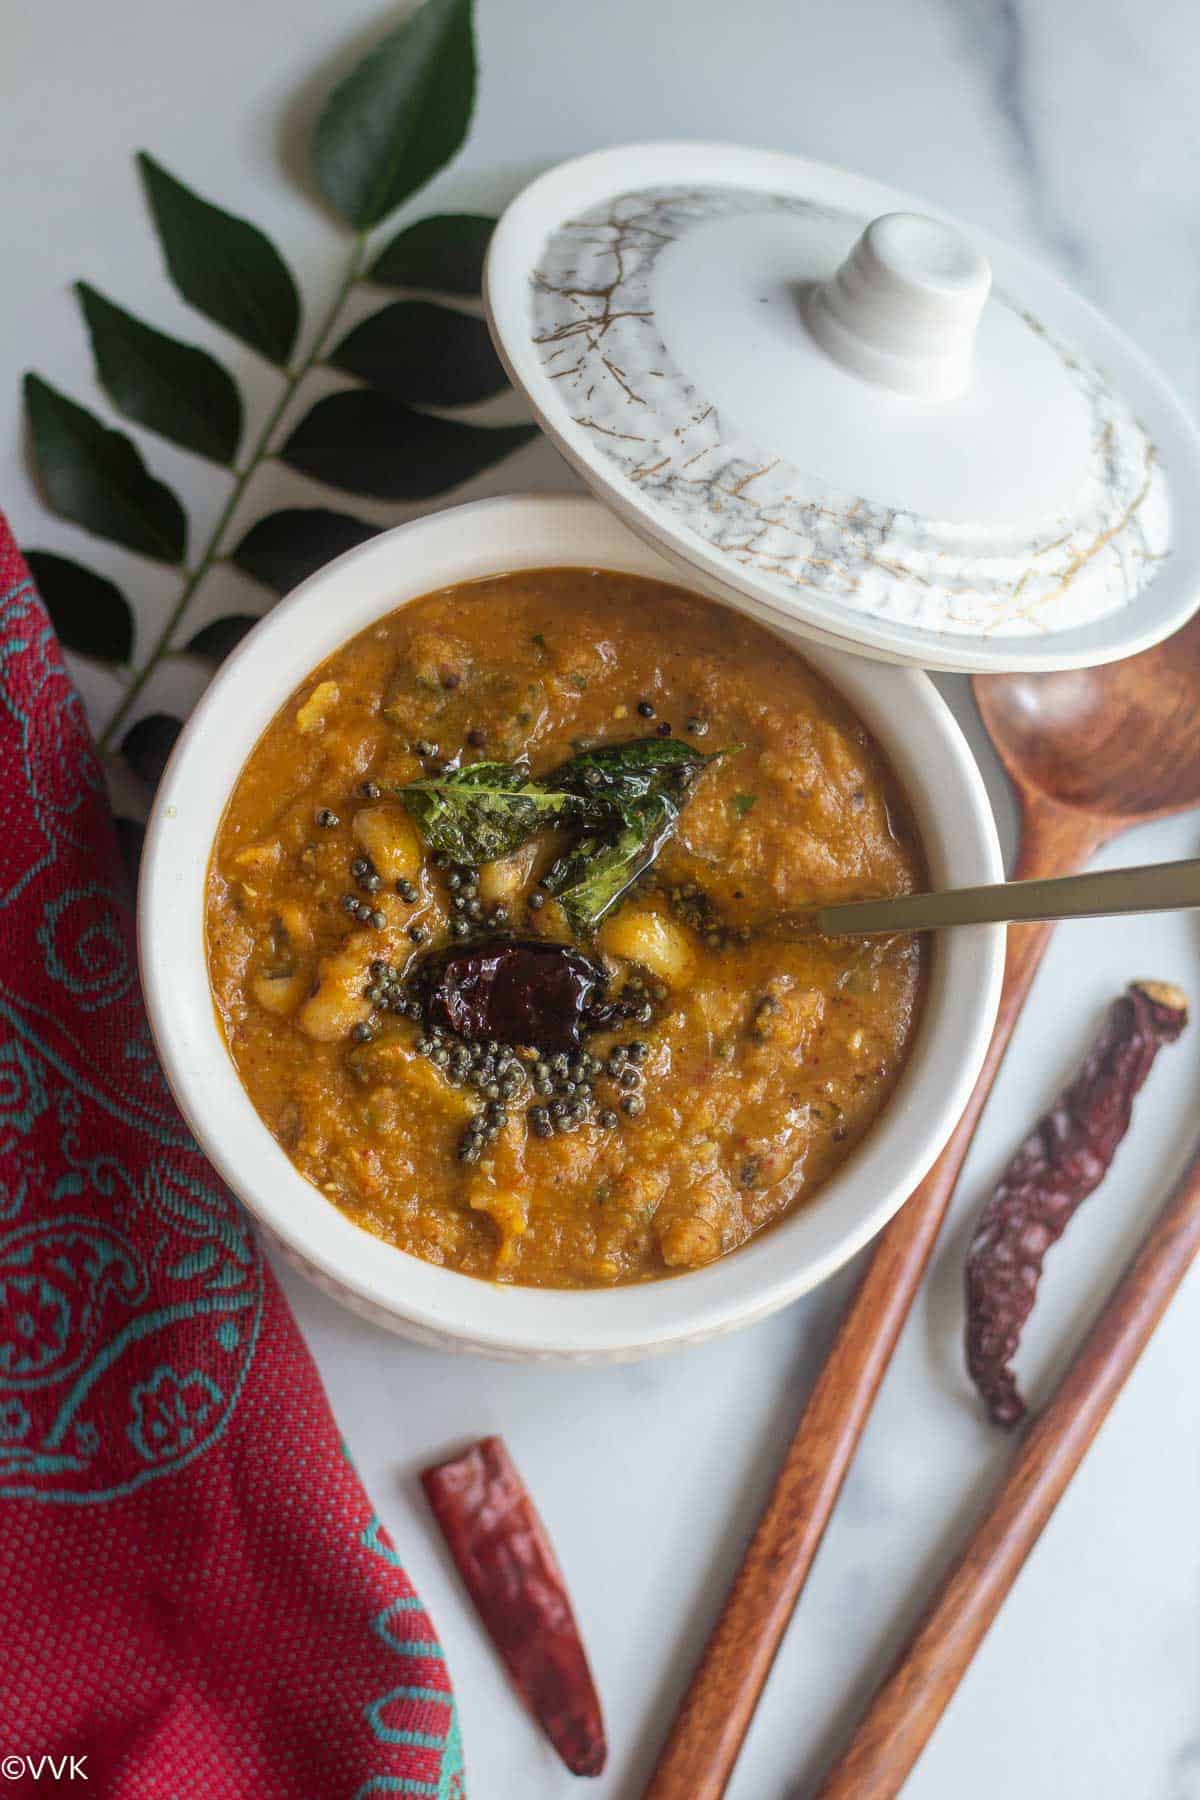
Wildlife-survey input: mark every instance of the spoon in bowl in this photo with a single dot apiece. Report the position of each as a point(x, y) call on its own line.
point(1155, 887)
point(1090, 753)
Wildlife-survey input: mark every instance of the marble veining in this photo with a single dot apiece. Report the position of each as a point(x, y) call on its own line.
point(593, 317)
point(997, 33)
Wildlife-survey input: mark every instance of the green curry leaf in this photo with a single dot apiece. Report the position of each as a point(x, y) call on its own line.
point(601, 867)
point(172, 388)
point(443, 254)
point(399, 115)
point(215, 640)
point(632, 770)
point(642, 784)
point(423, 354)
point(91, 615)
point(485, 811)
point(96, 477)
point(288, 546)
point(624, 800)
point(147, 745)
point(224, 266)
point(367, 443)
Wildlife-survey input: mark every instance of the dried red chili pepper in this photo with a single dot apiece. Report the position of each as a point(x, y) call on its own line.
point(1062, 1160)
point(512, 1575)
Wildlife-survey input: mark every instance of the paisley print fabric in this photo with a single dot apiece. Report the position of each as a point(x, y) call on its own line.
point(194, 1593)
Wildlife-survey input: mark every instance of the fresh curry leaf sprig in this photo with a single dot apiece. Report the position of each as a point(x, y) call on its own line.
point(623, 800)
point(385, 130)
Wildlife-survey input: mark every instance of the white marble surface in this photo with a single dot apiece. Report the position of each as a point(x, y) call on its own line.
point(1071, 127)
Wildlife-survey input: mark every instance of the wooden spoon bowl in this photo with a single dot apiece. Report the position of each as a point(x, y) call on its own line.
point(1121, 743)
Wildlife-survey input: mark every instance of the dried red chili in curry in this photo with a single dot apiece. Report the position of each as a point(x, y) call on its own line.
point(1063, 1159)
point(511, 1573)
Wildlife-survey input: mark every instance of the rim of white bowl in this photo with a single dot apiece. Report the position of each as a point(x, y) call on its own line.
point(934, 764)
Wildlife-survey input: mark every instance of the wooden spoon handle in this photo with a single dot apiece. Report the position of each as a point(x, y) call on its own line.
point(909, 1702)
point(715, 1713)
point(698, 1757)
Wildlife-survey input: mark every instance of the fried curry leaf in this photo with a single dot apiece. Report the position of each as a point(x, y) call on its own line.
point(601, 867)
point(642, 783)
point(623, 798)
point(486, 810)
point(634, 769)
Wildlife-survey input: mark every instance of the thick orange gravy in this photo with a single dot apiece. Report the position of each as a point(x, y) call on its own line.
point(724, 1070)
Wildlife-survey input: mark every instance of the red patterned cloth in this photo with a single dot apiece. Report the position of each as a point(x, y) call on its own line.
point(195, 1596)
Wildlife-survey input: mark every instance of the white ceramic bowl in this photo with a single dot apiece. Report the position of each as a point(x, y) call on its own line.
point(931, 757)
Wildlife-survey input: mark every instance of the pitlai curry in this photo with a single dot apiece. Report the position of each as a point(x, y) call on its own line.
point(494, 929)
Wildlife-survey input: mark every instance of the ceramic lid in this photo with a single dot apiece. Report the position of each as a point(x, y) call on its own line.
point(830, 402)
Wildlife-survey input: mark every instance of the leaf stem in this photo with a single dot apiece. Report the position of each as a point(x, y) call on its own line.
point(209, 555)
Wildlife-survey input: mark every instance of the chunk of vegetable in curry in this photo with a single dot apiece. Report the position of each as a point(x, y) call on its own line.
point(575, 758)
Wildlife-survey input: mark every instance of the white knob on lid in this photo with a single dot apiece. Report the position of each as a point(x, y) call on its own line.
point(903, 309)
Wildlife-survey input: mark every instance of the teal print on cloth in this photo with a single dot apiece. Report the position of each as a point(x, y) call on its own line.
point(402, 1626)
point(116, 1238)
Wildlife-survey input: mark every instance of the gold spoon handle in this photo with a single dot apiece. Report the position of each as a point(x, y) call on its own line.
point(1158, 887)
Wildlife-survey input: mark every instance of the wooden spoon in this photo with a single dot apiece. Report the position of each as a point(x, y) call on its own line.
point(1090, 753)
point(911, 1699)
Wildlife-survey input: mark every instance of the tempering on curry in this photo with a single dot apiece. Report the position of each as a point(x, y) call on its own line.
point(493, 929)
